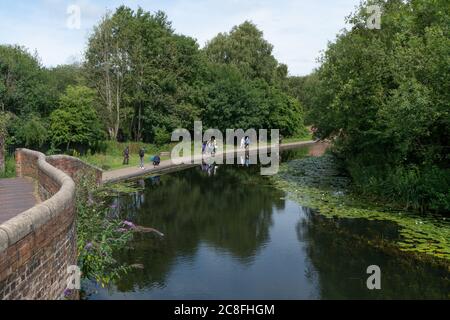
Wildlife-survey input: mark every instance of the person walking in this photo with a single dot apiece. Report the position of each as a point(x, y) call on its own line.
point(243, 143)
point(126, 156)
point(141, 156)
point(213, 145)
point(247, 142)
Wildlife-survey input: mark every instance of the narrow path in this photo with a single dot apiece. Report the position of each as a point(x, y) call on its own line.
point(167, 165)
point(16, 196)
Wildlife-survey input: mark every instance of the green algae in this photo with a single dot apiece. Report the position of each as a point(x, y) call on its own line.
point(120, 188)
point(318, 183)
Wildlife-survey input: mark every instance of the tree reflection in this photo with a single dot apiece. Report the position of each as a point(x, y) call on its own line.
point(340, 250)
point(230, 211)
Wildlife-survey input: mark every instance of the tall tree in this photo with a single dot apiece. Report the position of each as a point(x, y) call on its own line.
point(106, 64)
point(23, 88)
point(383, 95)
point(135, 57)
point(245, 48)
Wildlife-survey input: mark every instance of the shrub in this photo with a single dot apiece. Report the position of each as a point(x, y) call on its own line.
point(99, 236)
point(419, 188)
point(75, 123)
point(162, 137)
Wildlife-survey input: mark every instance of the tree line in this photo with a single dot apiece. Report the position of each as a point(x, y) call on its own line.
point(139, 80)
point(383, 97)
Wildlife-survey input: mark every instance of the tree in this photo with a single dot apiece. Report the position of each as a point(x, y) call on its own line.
point(305, 90)
point(247, 87)
point(234, 102)
point(75, 123)
point(383, 96)
point(30, 131)
point(58, 78)
point(106, 63)
point(22, 84)
point(143, 72)
point(245, 48)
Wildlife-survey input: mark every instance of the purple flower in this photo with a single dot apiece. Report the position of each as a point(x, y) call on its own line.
point(129, 224)
point(67, 292)
point(88, 246)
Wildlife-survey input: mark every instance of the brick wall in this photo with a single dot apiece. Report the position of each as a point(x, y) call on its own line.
point(37, 246)
point(76, 168)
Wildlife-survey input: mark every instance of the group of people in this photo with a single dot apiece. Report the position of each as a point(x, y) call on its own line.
point(207, 147)
point(210, 146)
point(126, 158)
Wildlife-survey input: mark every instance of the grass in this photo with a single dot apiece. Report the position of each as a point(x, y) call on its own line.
point(307, 137)
point(112, 156)
point(10, 168)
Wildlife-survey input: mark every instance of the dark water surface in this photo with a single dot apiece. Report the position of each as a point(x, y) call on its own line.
point(229, 234)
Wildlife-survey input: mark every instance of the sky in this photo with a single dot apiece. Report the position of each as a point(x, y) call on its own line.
point(298, 29)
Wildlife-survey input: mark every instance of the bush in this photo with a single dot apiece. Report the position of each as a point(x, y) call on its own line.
point(99, 237)
point(75, 123)
point(418, 188)
point(162, 137)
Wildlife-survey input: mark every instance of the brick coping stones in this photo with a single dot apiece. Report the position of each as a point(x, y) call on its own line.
point(20, 226)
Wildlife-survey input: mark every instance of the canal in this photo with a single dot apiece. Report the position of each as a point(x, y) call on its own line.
point(230, 234)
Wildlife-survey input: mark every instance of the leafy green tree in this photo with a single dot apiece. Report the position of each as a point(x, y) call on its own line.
point(23, 88)
point(383, 96)
point(30, 131)
point(75, 123)
point(245, 48)
point(305, 90)
point(234, 102)
point(106, 65)
point(143, 72)
point(58, 78)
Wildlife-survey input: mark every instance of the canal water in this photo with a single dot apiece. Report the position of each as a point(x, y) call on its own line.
point(230, 234)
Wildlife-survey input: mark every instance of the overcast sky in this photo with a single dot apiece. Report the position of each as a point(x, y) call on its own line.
point(298, 29)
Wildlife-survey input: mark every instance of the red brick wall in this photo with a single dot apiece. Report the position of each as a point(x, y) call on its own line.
point(76, 168)
point(36, 266)
point(37, 246)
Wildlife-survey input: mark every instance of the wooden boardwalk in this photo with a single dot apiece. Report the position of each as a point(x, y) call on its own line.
point(16, 196)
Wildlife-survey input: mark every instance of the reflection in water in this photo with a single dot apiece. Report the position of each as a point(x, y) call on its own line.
point(339, 252)
point(229, 234)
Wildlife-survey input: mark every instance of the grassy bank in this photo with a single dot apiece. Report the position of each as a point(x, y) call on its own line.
point(301, 138)
point(111, 155)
